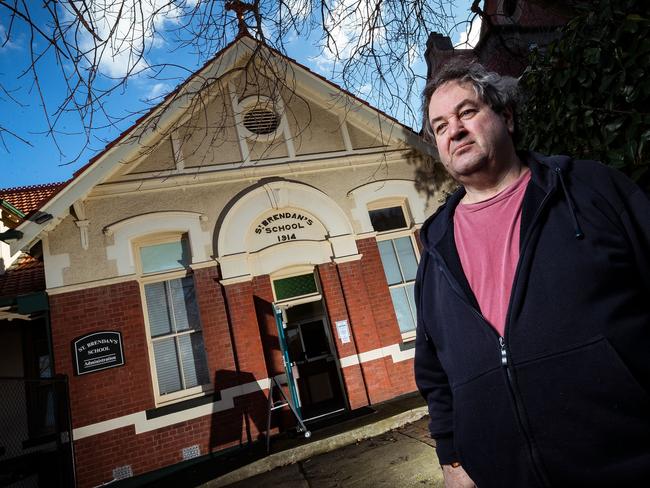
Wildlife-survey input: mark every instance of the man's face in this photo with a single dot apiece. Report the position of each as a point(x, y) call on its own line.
point(470, 136)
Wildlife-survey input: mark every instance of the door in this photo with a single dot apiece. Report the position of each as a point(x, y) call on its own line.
point(311, 355)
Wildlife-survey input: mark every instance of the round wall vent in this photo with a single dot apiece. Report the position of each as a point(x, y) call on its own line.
point(261, 121)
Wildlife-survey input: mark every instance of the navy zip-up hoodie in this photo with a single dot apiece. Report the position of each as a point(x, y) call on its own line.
point(563, 399)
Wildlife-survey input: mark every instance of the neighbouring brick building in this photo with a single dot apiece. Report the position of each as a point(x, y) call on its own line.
point(254, 223)
point(510, 29)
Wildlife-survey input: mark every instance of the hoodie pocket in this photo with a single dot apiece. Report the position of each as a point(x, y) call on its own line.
point(588, 416)
point(486, 434)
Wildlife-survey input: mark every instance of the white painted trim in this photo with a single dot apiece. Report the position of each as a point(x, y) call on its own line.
point(177, 151)
point(139, 419)
point(393, 351)
point(346, 135)
point(247, 172)
point(348, 259)
point(125, 231)
point(395, 190)
point(141, 424)
point(90, 284)
point(206, 264)
point(233, 252)
point(54, 265)
point(236, 280)
point(239, 126)
point(370, 157)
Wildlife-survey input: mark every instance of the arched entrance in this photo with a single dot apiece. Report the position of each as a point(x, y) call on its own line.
point(285, 230)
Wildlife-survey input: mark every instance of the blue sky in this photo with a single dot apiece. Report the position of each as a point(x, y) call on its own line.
point(41, 162)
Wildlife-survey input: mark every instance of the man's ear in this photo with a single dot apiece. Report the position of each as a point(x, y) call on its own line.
point(509, 119)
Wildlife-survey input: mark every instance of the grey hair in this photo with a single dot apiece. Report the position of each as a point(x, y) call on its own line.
point(496, 91)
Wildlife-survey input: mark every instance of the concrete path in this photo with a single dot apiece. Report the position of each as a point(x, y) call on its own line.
point(400, 458)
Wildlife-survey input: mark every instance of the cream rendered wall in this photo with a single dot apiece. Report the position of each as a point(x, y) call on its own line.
point(68, 264)
point(266, 150)
point(92, 264)
point(160, 158)
point(313, 128)
point(361, 139)
point(338, 184)
point(211, 137)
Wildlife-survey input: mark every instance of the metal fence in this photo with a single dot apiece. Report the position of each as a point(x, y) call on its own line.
point(35, 438)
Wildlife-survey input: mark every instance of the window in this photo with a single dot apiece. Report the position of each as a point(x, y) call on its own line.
point(295, 286)
point(175, 335)
point(390, 218)
point(398, 257)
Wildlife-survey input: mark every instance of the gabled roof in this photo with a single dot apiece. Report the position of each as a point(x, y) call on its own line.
point(126, 146)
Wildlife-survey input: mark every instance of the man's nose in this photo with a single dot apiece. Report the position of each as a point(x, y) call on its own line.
point(456, 128)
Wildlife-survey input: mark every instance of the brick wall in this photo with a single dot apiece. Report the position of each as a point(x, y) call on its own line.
point(246, 332)
point(355, 385)
point(263, 300)
point(363, 289)
point(98, 455)
point(113, 392)
point(239, 330)
point(116, 392)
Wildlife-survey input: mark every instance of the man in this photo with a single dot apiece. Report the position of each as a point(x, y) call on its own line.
point(533, 300)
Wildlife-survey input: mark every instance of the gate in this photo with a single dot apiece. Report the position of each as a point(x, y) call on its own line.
point(35, 437)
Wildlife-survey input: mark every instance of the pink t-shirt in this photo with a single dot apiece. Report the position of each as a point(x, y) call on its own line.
point(487, 239)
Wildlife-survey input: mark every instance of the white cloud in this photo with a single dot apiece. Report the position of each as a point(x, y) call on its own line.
point(365, 89)
point(129, 29)
point(158, 90)
point(470, 36)
point(345, 23)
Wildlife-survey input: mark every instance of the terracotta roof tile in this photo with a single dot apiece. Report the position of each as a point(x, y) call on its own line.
point(29, 198)
point(26, 275)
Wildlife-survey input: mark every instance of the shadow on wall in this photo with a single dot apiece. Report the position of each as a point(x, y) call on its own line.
point(269, 336)
point(431, 179)
point(246, 422)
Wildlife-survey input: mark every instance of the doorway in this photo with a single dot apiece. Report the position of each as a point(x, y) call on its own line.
point(310, 348)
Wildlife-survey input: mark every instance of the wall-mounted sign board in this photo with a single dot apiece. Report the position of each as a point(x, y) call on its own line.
point(97, 351)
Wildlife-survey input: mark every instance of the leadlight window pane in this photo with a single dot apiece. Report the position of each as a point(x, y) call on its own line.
point(406, 256)
point(389, 260)
point(167, 370)
point(166, 256)
point(157, 309)
point(295, 286)
point(389, 218)
point(402, 308)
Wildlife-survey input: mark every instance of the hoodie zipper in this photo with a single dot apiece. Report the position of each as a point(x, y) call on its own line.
point(502, 341)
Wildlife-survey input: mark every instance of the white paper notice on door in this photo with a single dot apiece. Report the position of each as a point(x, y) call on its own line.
point(343, 331)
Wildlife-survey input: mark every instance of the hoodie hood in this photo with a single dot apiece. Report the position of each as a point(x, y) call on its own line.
point(545, 171)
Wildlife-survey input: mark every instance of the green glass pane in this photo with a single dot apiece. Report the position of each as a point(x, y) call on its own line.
point(295, 286)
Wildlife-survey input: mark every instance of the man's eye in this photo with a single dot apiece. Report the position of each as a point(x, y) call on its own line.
point(440, 129)
point(467, 113)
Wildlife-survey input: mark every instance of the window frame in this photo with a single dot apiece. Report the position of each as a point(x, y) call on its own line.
point(392, 234)
point(290, 273)
point(157, 277)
